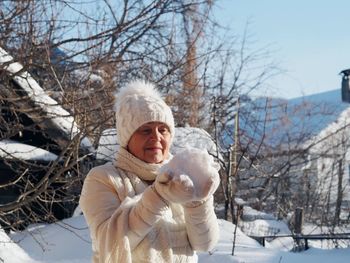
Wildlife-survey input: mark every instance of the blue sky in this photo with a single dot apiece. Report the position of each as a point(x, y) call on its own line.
point(310, 39)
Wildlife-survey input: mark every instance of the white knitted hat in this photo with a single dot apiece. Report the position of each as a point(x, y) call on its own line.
point(136, 104)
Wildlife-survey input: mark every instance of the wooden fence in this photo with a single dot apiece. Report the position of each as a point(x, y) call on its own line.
point(299, 237)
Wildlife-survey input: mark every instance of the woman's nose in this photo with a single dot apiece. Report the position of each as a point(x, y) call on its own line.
point(155, 135)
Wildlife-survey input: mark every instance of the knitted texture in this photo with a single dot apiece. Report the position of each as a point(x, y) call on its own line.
point(136, 104)
point(128, 162)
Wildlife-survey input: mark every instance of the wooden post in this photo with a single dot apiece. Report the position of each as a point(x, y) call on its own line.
point(298, 220)
point(298, 225)
point(306, 244)
point(238, 215)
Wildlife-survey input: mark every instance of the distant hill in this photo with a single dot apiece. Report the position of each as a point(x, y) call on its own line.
point(333, 96)
point(320, 109)
point(286, 122)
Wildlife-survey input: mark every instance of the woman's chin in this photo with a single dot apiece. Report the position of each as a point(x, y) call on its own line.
point(154, 158)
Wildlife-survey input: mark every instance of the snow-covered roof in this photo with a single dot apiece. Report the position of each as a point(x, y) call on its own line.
point(340, 126)
point(59, 116)
point(15, 150)
point(107, 146)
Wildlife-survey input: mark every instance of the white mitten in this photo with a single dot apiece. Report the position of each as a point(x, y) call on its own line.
point(192, 175)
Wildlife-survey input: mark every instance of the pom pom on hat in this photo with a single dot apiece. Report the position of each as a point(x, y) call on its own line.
point(136, 104)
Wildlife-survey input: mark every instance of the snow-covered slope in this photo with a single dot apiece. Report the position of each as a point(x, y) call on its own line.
point(68, 241)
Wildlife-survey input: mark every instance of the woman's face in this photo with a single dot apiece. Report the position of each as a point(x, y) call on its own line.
point(151, 142)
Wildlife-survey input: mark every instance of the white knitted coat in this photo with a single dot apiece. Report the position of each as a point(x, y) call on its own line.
point(128, 221)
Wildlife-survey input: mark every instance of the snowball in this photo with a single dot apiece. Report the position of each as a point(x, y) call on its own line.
point(197, 164)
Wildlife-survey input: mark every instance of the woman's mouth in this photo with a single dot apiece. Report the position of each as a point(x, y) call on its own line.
point(153, 149)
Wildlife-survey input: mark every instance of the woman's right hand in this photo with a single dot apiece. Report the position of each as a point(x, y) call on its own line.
point(175, 189)
point(190, 176)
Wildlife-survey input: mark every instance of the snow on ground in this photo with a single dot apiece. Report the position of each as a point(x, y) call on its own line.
point(68, 241)
point(64, 241)
point(10, 250)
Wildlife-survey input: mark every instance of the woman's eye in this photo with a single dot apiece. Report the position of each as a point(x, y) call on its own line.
point(163, 130)
point(145, 131)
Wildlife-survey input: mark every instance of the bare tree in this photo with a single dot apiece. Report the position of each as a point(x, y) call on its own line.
point(80, 54)
point(289, 159)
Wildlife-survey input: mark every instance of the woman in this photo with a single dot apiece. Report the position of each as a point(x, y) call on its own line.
point(149, 206)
